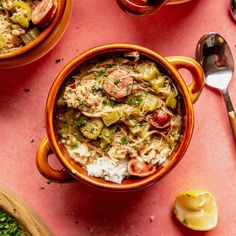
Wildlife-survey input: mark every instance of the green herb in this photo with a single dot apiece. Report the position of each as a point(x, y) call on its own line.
point(81, 104)
point(95, 89)
point(124, 140)
point(106, 150)
point(9, 226)
point(100, 73)
point(185, 222)
point(117, 81)
point(109, 65)
point(74, 145)
point(66, 124)
point(80, 123)
point(108, 102)
point(105, 102)
point(70, 90)
point(116, 129)
point(75, 133)
point(134, 100)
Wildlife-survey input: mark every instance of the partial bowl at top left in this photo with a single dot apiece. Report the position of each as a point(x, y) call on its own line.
point(29, 29)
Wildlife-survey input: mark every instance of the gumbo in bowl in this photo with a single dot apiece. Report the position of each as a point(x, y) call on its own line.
point(22, 21)
point(119, 116)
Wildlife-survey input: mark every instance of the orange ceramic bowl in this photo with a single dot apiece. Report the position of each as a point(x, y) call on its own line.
point(43, 43)
point(71, 170)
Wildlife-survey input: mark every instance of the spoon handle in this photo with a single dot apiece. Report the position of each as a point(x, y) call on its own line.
point(230, 110)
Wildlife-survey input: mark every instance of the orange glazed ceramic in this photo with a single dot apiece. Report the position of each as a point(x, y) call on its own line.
point(71, 170)
point(142, 7)
point(43, 43)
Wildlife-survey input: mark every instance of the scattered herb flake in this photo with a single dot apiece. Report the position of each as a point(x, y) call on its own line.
point(100, 73)
point(134, 100)
point(117, 81)
point(185, 222)
point(80, 123)
point(81, 104)
point(124, 140)
point(116, 129)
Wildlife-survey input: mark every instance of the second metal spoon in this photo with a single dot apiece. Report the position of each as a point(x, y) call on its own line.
point(214, 55)
point(233, 8)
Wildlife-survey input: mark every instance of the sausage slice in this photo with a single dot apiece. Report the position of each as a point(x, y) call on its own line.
point(44, 12)
point(140, 169)
point(119, 84)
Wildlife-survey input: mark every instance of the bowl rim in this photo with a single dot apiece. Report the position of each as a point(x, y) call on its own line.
point(61, 4)
point(42, 49)
point(71, 166)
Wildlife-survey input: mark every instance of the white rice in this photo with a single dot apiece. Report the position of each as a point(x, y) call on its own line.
point(107, 169)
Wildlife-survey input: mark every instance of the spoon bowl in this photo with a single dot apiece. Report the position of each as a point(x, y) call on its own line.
point(215, 57)
point(233, 8)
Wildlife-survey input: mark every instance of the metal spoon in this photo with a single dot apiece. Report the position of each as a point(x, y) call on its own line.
point(214, 55)
point(233, 8)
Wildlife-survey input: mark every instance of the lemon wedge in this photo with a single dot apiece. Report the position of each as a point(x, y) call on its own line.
point(196, 209)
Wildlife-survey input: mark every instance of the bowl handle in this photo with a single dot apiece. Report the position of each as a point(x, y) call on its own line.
point(196, 86)
point(44, 167)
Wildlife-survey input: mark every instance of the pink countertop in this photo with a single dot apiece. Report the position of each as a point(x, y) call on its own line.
point(76, 209)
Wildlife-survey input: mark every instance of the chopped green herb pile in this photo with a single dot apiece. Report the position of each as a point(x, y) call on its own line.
point(9, 226)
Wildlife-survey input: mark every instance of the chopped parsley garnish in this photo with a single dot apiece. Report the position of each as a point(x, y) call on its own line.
point(9, 226)
point(109, 65)
point(185, 222)
point(108, 102)
point(134, 100)
point(74, 145)
point(80, 123)
point(70, 90)
point(106, 150)
point(116, 129)
point(81, 104)
point(117, 81)
point(95, 89)
point(124, 140)
point(100, 73)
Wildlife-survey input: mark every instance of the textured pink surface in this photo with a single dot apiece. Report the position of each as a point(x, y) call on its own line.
point(76, 209)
